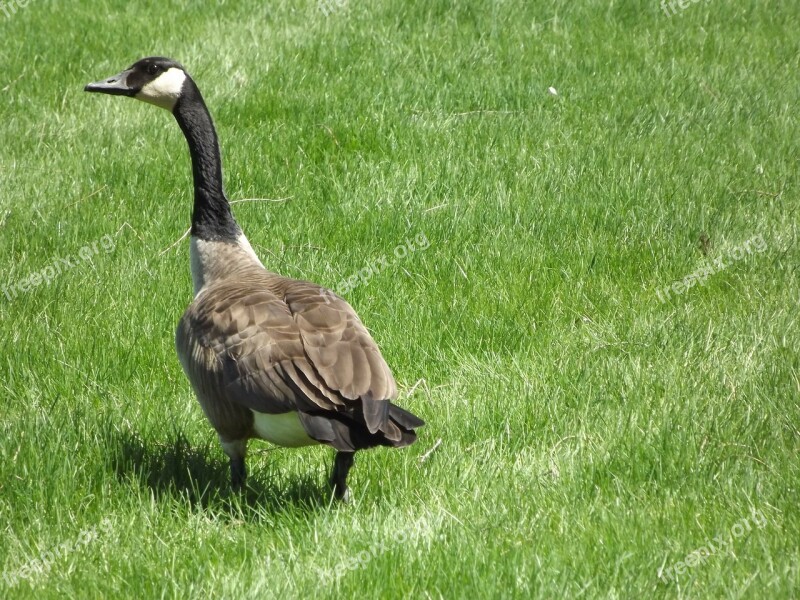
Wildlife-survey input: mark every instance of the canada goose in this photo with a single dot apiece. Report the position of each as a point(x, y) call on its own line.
point(268, 357)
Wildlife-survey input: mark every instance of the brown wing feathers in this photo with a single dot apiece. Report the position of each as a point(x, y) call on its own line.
point(282, 345)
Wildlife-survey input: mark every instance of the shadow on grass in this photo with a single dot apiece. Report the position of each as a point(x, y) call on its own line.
point(177, 470)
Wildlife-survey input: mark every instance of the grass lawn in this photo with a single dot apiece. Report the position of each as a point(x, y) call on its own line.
point(590, 293)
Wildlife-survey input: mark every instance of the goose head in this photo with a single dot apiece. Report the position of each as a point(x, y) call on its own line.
point(156, 80)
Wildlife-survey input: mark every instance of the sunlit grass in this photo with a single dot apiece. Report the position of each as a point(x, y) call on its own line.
point(593, 431)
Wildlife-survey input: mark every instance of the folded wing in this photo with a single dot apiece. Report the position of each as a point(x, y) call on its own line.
point(275, 345)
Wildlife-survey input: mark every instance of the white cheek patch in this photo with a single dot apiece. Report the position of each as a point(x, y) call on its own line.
point(165, 89)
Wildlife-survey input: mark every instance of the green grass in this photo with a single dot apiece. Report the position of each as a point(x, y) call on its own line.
point(591, 434)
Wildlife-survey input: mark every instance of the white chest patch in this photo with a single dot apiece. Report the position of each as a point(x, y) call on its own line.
point(282, 430)
point(244, 244)
point(200, 258)
point(214, 260)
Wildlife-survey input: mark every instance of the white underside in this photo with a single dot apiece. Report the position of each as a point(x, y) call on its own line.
point(283, 430)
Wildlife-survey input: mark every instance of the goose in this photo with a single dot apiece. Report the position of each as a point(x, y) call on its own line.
point(268, 357)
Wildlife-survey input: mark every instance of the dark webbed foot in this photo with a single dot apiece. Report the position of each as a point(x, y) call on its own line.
point(341, 467)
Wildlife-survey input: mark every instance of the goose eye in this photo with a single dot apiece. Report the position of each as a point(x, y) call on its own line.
point(152, 69)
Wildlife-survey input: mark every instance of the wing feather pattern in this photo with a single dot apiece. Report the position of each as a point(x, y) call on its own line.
point(274, 345)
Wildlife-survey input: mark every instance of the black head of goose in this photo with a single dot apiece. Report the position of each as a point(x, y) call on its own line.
point(268, 357)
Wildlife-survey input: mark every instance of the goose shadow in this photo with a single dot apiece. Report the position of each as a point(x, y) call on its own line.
point(175, 469)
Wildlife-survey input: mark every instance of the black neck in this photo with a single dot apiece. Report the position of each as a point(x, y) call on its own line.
point(211, 218)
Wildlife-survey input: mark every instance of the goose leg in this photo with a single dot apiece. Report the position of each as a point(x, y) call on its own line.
point(238, 474)
point(236, 451)
point(341, 467)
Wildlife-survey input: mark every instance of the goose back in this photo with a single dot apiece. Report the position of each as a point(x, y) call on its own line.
point(266, 343)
